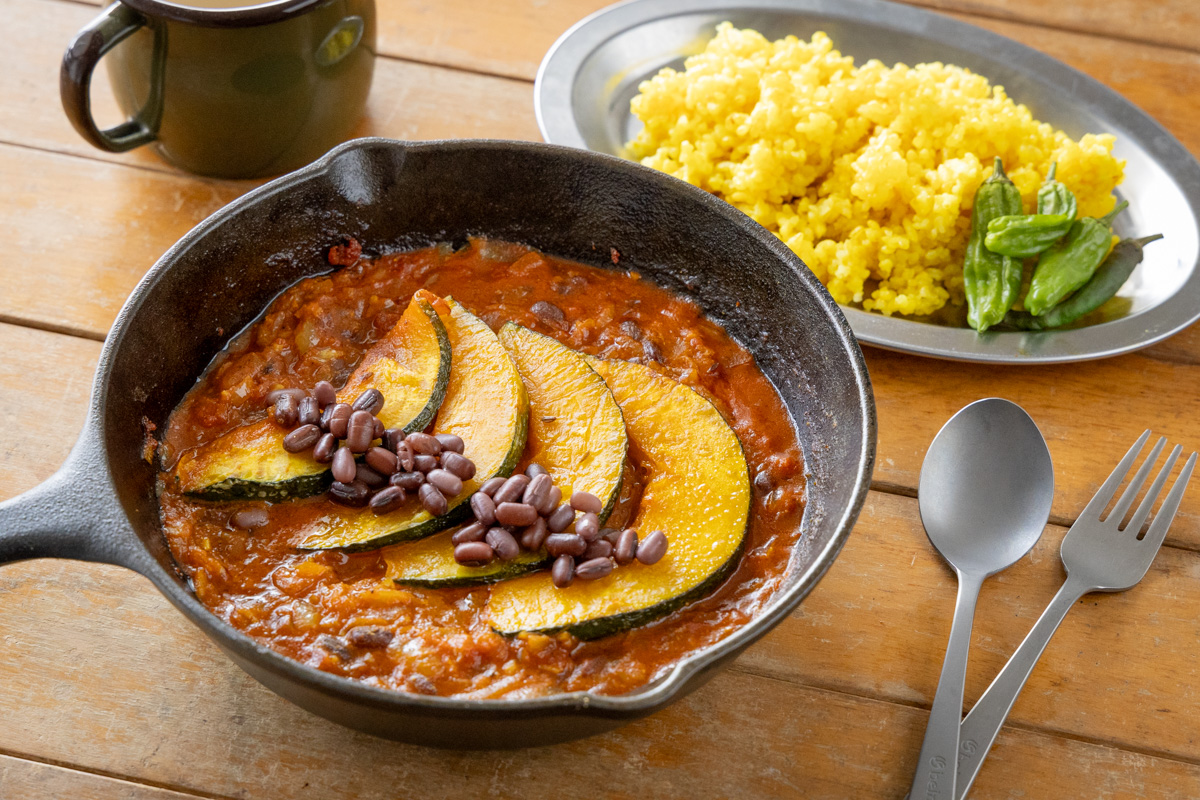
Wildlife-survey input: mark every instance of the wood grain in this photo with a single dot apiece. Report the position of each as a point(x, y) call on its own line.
point(1090, 414)
point(29, 780)
point(407, 101)
point(164, 706)
point(40, 372)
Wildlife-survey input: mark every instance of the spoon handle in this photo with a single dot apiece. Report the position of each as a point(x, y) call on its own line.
point(936, 767)
point(980, 728)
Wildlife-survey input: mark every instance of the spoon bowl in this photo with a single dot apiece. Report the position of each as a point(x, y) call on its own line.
point(986, 488)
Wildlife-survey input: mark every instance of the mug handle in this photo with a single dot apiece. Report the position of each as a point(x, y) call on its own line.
point(115, 24)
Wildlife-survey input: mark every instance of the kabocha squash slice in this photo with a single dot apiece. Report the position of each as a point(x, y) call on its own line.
point(698, 492)
point(576, 432)
point(485, 404)
point(410, 366)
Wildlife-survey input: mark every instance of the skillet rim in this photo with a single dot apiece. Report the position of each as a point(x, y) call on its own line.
point(663, 690)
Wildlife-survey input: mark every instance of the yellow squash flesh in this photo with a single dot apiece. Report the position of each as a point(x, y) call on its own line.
point(576, 432)
point(698, 493)
point(410, 366)
point(485, 404)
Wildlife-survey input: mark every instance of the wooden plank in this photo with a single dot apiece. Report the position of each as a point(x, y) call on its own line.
point(41, 373)
point(742, 735)
point(461, 33)
point(407, 101)
point(1120, 669)
point(30, 780)
point(1090, 414)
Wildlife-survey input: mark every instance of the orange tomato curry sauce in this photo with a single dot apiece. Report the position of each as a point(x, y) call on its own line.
point(302, 604)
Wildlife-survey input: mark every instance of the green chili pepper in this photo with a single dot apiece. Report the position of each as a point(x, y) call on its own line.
point(992, 281)
point(1067, 265)
point(1025, 235)
point(1021, 235)
point(1054, 198)
point(1102, 286)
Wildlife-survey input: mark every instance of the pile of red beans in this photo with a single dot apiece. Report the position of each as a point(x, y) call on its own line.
point(524, 513)
point(433, 466)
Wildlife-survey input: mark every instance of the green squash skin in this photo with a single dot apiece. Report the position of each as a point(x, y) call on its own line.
point(422, 420)
point(502, 572)
point(234, 489)
point(298, 488)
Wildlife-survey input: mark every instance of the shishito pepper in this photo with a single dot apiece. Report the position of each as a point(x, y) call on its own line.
point(1069, 264)
point(992, 280)
point(1099, 289)
point(1054, 198)
point(1025, 235)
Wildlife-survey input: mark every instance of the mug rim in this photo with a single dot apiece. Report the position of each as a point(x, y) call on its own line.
point(234, 17)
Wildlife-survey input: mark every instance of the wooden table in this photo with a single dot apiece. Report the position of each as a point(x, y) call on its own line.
point(108, 693)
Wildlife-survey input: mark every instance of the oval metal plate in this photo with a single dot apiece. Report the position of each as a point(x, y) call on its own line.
point(588, 77)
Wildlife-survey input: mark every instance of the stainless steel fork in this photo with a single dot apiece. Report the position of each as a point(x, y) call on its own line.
point(1100, 555)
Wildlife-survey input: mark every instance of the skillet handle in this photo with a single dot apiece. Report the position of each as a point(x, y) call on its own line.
point(74, 514)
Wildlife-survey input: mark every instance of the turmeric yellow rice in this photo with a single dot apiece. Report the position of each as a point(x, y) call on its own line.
point(867, 173)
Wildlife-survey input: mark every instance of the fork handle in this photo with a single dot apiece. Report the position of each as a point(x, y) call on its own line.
point(980, 728)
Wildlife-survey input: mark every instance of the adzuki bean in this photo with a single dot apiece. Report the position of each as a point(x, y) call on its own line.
point(588, 526)
point(381, 460)
point(388, 499)
point(533, 470)
point(309, 413)
point(484, 508)
point(392, 437)
point(324, 448)
point(594, 569)
point(408, 481)
point(343, 466)
point(404, 456)
point(537, 490)
point(652, 548)
point(379, 430)
point(491, 485)
point(369, 476)
point(516, 514)
point(425, 463)
point(586, 501)
point(432, 500)
point(359, 431)
point(553, 498)
point(512, 489)
point(470, 533)
point(446, 481)
point(325, 393)
point(450, 442)
point(627, 545)
point(563, 571)
point(301, 439)
point(287, 410)
point(339, 419)
point(250, 519)
point(473, 554)
point(459, 464)
point(565, 544)
point(598, 549)
point(560, 519)
point(370, 401)
point(503, 544)
point(424, 444)
point(534, 536)
point(349, 494)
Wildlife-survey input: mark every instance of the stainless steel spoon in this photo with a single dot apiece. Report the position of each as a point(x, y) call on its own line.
point(985, 493)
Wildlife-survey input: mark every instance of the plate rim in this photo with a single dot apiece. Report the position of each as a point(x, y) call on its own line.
point(553, 109)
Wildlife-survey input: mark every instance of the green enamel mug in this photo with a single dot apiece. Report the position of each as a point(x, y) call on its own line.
point(226, 88)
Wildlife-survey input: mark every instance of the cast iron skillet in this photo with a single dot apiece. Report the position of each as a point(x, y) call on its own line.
point(100, 506)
